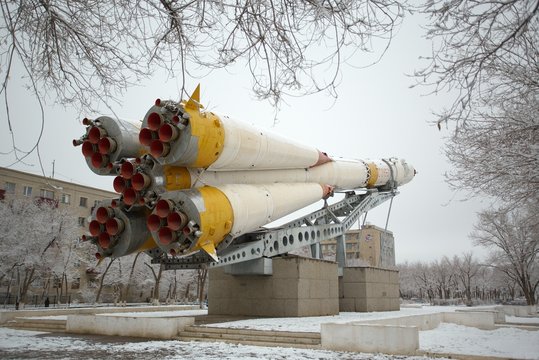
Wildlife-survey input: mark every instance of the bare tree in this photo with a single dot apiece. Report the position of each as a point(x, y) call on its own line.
point(82, 53)
point(202, 275)
point(512, 235)
point(466, 269)
point(481, 49)
point(157, 281)
point(36, 241)
point(485, 57)
point(443, 275)
point(102, 279)
point(497, 152)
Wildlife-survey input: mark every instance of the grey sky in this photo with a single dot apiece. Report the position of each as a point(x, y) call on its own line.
point(375, 115)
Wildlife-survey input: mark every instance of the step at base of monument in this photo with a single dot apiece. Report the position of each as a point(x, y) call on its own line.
point(252, 337)
point(36, 324)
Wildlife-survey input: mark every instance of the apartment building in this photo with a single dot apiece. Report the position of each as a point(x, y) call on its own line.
point(371, 244)
point(79, 199)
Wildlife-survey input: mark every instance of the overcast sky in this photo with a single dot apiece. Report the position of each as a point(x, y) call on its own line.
point(375, 115)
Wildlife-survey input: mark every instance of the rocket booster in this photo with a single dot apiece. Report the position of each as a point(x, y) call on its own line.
point(183, 135)
point(106, 141)
point(146, 178)
point(187, 221)
point(191, 180)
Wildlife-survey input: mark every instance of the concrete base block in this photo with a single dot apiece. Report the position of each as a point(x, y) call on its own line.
point(387, 339)
point(6, 316)
point(479, 319)
point(363, 289)
point(147, 327)
point(298, 287)
point(520, 310)
point(398, 335)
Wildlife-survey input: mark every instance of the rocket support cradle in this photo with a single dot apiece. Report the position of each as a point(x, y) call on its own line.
point(207, 178)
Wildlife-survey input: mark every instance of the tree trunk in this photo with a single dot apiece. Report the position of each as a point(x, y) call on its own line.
point(102, 279)
point(157, 283)
point(126, 293)
point(202, 274)
point(28, 279)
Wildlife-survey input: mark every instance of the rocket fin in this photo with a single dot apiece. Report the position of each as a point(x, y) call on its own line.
point(209, 248)
point(194, 100)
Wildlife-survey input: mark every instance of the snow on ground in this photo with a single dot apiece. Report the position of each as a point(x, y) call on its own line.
point(312, 324)
point(17, 344)
point(458, 339)
point(447, 339)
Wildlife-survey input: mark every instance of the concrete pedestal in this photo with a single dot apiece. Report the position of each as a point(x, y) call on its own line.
point(363, 289)
point(298, 287)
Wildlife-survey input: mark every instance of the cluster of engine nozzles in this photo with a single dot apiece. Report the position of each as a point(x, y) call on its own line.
point(97, 145)
point(105, 227)
point(171, 224)
point(161, 130)
point(131, 183)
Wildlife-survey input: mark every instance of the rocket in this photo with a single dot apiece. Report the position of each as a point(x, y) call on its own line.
point(191, 180)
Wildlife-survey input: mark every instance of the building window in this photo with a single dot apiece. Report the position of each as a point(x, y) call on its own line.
point(27, 191)
point(83, 202)
point(47, 194)
point(66, 199)
point(10, 188)
point(81, 221)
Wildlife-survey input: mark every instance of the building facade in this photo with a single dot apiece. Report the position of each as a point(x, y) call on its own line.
point(371, 244)
point(79, 199)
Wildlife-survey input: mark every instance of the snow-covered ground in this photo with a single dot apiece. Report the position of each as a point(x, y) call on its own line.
point(312, 324)
point(19, 344)
point(458, 339)
point(447, 339)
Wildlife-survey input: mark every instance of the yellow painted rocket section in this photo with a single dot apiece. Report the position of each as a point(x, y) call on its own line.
point(176, 178)
point(374, 175)
point(216, 222)
point(208, 129)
